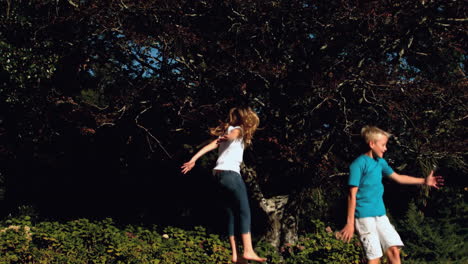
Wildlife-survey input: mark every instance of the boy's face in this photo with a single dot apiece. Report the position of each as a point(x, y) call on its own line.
point(379, 146)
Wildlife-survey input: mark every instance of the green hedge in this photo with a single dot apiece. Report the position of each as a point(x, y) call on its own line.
point(84, 241)
point(321, 246)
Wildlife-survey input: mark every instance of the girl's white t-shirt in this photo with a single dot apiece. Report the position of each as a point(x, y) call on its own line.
point(230, 153)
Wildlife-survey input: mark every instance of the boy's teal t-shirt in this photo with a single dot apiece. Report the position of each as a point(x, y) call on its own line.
point(366, 173)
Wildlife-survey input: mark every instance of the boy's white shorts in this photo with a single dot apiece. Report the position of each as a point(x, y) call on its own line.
point(376, 233)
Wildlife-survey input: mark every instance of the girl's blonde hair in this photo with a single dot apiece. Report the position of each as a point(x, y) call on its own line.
point(244, 117)
point(373, 133)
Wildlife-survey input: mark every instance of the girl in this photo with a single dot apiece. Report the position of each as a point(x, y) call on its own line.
point(233, 136)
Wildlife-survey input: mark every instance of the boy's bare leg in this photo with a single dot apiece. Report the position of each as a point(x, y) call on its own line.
point(249, 253)
point(393, 254)
point(374, 261)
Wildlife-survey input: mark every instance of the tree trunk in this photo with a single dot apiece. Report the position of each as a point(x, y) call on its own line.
point(282, 224)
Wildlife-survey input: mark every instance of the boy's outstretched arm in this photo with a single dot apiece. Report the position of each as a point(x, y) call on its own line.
point(430, 180)
point(346, 234)
point(187, 166)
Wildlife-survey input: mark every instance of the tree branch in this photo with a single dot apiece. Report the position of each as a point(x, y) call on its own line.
point(150, 134)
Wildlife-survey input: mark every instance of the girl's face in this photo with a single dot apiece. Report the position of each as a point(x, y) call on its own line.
point(379, 146)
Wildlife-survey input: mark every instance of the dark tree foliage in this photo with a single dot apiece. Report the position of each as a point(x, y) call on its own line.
point(102, 101)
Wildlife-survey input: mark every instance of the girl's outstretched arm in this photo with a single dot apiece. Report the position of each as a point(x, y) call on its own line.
point(186, 167)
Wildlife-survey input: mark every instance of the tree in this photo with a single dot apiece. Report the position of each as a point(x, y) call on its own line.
point(136, 81)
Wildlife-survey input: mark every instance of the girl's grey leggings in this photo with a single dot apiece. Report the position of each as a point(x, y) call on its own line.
point(235, 201)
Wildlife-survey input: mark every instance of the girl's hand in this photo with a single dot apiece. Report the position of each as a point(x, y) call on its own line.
point(233, 135)
point(187, 166)
point(434, 181)
point(222, 139)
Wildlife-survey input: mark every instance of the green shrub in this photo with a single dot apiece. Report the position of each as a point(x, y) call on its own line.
point(14, 243)
point(321, 246)
point(429, 240)
point(83, 241)
point(266, 250)
point(15, 240)
point(196, 246)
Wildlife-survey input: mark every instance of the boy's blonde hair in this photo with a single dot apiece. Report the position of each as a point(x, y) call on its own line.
point(373, 133)
point(244, 117)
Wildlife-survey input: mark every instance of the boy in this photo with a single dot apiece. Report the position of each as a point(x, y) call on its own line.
point(366, 210)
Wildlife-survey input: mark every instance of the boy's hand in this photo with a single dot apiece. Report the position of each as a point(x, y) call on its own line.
point(187, 166)
point(434, 181)
point(346, 234)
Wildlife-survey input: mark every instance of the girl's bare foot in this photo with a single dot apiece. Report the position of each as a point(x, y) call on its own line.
point(253, 257)
point(241, 260)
